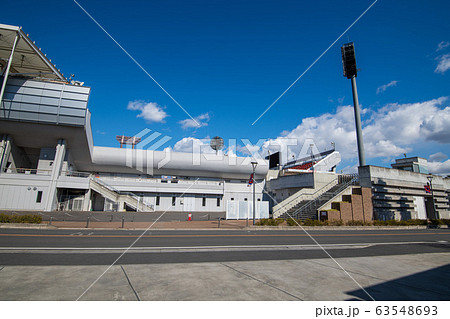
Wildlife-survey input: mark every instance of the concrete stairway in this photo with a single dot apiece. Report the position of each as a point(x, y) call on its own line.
point(307, 209)
point(117, 196)
point(298, 199)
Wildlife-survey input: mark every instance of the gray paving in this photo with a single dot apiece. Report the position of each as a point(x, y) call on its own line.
point(405, 277)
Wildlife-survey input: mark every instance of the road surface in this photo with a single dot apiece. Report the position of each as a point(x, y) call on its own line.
point(102, 247)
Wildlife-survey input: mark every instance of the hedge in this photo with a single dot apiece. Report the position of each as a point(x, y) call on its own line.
point(29, 219)
point(269, 222)
point(410, 222)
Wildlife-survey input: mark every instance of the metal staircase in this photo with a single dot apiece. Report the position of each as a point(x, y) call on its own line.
point(115, 195)
point(307, 209)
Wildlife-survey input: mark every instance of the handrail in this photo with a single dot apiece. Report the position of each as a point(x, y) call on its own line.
point(40, 171)
point(355, 178)
point(296, 197)
point(32, 171)
point(75, 174)
point(115, 190)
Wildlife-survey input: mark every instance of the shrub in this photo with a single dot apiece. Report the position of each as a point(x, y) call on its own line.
point(31, 219)
point(416, 222)
point(409, 222)
point(311, 222)
point(293, 222)
point(357, 223)
point(269, 222)
point(437, 222)
point(446, 221)
point(339, 222)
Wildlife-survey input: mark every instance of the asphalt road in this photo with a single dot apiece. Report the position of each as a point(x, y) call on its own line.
point(192, 238)
point(99, 247)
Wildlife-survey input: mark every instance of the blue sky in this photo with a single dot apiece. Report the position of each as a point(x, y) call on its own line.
point(225, 62)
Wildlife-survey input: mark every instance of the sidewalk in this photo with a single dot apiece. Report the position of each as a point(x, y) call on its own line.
point(385, 277)
point(210, 224)
point(197, 225)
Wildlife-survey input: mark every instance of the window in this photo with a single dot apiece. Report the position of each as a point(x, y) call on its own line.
point(158, 198)
point(204, 201)
point(218, 201)
point(173, 200)
point(232, 198)
point(39, 197)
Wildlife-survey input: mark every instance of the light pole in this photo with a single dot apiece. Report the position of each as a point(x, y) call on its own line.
point(350, 71)
point(254, 202)
point(430, 179)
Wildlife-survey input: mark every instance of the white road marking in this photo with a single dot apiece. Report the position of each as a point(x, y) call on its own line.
point(193, 248)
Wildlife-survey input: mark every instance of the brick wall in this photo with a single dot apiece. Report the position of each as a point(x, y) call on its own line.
point(355, 207)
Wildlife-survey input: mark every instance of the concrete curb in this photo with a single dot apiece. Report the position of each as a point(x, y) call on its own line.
point(27, 226)
point(250, 228)
point(343, 227)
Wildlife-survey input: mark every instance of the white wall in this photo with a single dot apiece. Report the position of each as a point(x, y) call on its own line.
point(21, 197)
point(185, 202)
point(19, 191)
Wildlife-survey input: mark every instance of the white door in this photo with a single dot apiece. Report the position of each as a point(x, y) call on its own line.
point(189, 203)
point(419, 202)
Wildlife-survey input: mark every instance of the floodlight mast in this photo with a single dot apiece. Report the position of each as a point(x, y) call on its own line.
point(350, 71)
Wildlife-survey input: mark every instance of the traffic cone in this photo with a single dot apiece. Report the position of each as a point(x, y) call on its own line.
point(189, 217)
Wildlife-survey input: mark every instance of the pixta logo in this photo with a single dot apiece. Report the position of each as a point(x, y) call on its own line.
point(138, 157)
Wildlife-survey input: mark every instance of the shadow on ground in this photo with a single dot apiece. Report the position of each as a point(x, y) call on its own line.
point(433, 284)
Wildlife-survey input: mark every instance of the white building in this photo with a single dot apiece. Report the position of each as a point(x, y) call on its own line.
point(48, 160)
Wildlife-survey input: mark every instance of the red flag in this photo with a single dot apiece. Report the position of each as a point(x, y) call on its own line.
point(250, 181)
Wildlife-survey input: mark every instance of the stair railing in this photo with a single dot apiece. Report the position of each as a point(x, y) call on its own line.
point(113, 189)
point(315, 194)
point(352, 179)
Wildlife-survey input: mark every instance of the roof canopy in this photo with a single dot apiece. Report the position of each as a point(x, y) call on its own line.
point(28, 60)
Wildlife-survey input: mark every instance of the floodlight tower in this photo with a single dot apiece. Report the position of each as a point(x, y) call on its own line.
point(350, 71)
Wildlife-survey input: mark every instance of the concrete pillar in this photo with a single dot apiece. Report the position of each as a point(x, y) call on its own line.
point(50, 204)
point(5, 150)
point(121, 206)
point(87, 204)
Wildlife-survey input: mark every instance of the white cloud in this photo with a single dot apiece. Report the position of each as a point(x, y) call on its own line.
point(151, 112)
point(383, 88)
point(193, 145)
point(439, 168)
point(409, 124)
point(436, 126)
point(199, 121)
point(437, 157)
point(390, 131)
point(442, 45)
point(444, 63)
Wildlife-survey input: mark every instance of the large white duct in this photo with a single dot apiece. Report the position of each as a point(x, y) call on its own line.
point(138, 161)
